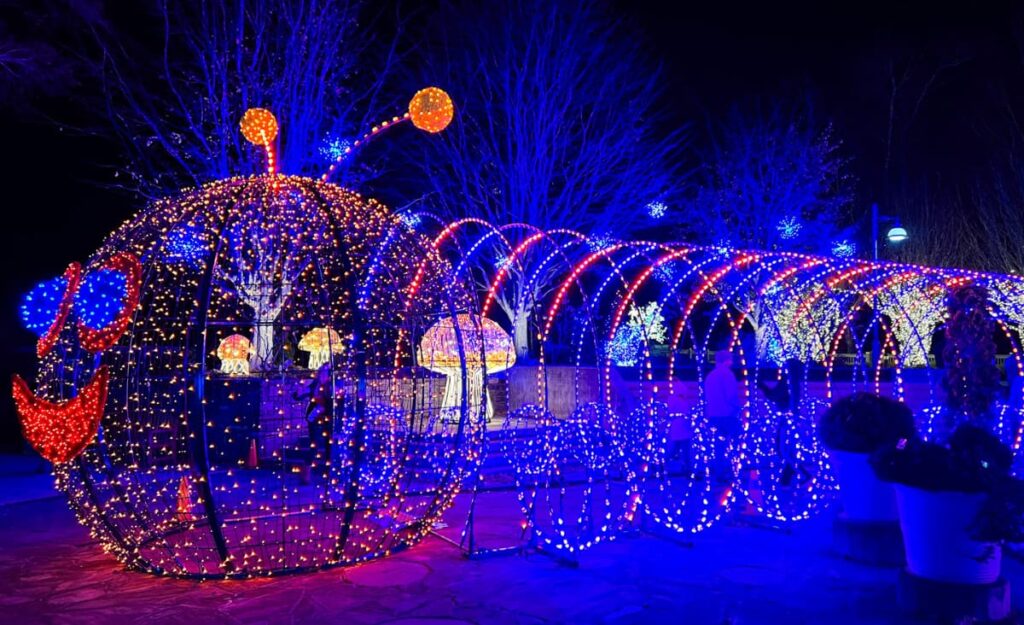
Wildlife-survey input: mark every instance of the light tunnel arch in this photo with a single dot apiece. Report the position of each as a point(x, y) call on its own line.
point(824, 312)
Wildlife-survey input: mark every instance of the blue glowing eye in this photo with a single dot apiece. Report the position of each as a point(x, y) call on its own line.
point(40, 305)
point(101, 297)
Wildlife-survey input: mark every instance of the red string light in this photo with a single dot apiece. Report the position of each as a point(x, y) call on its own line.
point(60, 431)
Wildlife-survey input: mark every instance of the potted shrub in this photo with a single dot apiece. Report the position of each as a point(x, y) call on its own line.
point(971, 380)
point(853, 428)
point(957, 504)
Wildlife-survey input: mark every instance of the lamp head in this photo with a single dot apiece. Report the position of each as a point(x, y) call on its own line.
point(897, 234)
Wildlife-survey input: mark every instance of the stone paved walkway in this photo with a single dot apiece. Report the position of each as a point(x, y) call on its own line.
point(51, 572)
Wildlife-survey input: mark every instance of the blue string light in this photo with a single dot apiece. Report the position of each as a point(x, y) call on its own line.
point(789, 227)
point(100, 297)
point(39, 306)
point(844, 248)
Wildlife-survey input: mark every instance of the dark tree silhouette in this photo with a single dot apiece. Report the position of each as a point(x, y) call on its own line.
point(175, 102)
point(558, 126)
point(774, 179)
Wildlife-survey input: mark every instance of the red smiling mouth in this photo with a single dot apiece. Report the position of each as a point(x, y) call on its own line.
point(60, 431)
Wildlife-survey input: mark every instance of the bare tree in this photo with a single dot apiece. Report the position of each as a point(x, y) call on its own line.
point(558, 126)
point(262, 269)
point(775, 179)
point(979, 227)
point(176, 108)
point(35, 61)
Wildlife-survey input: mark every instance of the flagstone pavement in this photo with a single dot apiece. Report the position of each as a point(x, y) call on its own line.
point(52, 572)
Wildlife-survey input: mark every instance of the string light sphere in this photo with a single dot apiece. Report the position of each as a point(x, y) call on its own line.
point(219, 457)
point(259, 126)
point(431, 109)
point(39, 307)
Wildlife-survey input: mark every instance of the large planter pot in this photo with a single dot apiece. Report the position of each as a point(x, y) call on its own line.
point(936, 539)
point(864, 497)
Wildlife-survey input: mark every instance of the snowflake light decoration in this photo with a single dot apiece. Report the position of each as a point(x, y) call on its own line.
point(334, 147)
point(410, 220)
point(844, 248)
point(600, 241)
point(657, 209)
point(789, 227)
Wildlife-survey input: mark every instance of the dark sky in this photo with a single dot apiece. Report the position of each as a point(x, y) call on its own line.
point(713, 53)
point(839, 54)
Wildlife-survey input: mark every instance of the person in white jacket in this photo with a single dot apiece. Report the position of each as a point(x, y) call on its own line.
point(722, 396)
point(722, 406)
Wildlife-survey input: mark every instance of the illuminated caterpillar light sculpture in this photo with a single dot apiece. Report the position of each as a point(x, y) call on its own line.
point(183, 465)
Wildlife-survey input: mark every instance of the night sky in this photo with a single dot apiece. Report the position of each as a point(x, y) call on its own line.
point(59, 205)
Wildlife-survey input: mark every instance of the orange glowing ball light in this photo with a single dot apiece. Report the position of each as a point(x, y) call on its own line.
point(259, 126)
point(431, 109)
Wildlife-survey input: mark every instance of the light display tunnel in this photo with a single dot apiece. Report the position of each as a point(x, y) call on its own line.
point(628, 351)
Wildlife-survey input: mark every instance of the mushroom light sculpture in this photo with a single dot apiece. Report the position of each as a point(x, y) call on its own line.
point(321, 343)
point(234, 355)
point(486, 348)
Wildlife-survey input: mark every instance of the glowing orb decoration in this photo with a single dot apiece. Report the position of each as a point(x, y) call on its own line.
point(259, 126)
point(321, 343)
point(203, 472)
point(40, 306)
point(431, 109)
point(100, 298)
point(233, 352)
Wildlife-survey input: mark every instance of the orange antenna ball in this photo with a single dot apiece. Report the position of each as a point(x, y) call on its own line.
point(259, 126)
point(431, 109)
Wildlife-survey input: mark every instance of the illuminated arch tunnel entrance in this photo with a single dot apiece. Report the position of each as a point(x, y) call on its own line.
point(604, 419)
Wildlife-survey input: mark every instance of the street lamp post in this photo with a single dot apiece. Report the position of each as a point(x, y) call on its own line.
point(897, 234)
point(874, 228)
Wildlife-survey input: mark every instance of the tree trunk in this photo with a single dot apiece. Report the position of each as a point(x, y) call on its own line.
point(262, 355)
point(521, 333)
